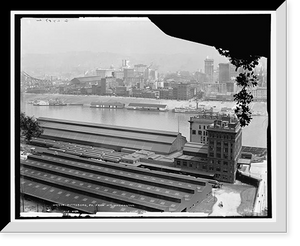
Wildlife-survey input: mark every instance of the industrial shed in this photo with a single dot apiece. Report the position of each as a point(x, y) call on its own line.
point(113, 137)
point(94, 186)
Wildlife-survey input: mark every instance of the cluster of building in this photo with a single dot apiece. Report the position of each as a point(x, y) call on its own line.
point(133, 169)
point(214, 149)
point(219, 83)
point(215, 146)
point(140, 80)
point(144, 82)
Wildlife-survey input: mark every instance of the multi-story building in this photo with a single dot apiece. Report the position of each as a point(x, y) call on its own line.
point(140, 69)
point(209, 70)
point(128, 73)
point(119, 74)
point(166, 93)
point(199, 125)
point(232, 72)
point(218, 151)
point(224, 148)
point(224, 72)
point(121, 91)
point(200, 77)
point(185, 92)
point(134, 82)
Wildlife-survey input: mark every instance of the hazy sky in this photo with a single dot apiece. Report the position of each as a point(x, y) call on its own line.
point(117, 35)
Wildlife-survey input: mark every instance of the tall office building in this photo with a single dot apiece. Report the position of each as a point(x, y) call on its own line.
point(215, 147)
point(224, 148)
point(209, 69)
point(224, 72)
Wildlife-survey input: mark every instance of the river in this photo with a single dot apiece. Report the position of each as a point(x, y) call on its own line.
point(253, 135)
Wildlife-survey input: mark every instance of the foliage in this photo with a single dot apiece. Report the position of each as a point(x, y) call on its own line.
point(29, 127)
point(245, 79)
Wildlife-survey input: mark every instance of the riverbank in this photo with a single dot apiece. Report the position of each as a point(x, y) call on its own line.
point(171, 104)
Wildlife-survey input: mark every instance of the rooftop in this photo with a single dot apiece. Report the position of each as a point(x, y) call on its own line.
point(108, 103)
point(112, 183)
point(230, 125)
point(86, 79)
point(108, 136)
point(195, 147)
point(190, 158)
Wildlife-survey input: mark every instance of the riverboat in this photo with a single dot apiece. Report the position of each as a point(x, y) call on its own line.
point(41, 103)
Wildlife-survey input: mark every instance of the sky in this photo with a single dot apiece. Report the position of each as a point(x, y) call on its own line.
point(117, 35)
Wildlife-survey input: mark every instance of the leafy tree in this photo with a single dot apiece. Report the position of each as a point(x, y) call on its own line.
point(29, 127)
point(245, 79)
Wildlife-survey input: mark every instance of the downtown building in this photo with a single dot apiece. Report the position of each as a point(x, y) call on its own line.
point(215, 147)
point(209, 70)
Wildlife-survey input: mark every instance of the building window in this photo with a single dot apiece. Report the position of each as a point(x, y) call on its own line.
point(199, 126)
point(211, 168)
point(218, 155)
point(194, 132)
point(178, 163)
point(225, 171)
point(199, 132)
point(204, 167)
point(225, 163)
point(218, 169)
point(184, 164)
point(204, 127)
point(191, 165)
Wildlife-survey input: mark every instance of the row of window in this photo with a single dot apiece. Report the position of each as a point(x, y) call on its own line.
point(222, 136)
point(204, 127)
point(219, 155)
point(203, 166)
point(219, 143)
point(204, 133)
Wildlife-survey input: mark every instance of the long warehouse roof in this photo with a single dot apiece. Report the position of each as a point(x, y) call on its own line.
point(122, 137)
point(104, 126)
point(65, 181)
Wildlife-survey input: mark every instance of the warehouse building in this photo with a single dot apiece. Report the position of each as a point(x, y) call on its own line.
point(112, 137)
point(94, 186)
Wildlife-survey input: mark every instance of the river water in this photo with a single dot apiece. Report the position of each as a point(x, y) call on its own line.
point(253, 135)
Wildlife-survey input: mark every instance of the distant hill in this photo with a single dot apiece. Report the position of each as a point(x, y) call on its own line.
point(72, 64)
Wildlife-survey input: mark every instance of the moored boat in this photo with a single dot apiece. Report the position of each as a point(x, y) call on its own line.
point(109, 105)
point(40, 103)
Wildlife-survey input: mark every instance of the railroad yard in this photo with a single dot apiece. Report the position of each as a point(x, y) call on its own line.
point(64, 179)
point(67, 177)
